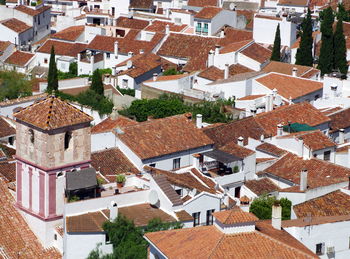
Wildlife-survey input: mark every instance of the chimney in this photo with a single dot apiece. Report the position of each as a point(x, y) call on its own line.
point(303, 180)
point(155, 76)
point(167, 13)
point(240, 141)
point(116, 49)
point(142, 51)
point(276, 216)
point(294, 72)
point(92, 59)
point(217, 48)
point(279, 129)
point(341, 138)
point(79, 57)
point(211, 58)
point(107, 79)
point(334, 87)
point(290, 100)
point(199, 121)
point(226, 72)
point(222, 34)
point(167, 29)
point(269, 103)
point(114, 115)
point(130, 54)
point(129, 64)
point(113, 211)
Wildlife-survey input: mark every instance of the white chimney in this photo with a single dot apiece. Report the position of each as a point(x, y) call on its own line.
point(155, 76)
point(294, 72)
point(303, 180)
point(142, 51)
point(116, 49)
point(240, 141)
point(114, 115)
point(276, 216)
point(211, 58)
point(79, 56)
point(334, 87)
point(279, 129)
point(341, 138)
point(167, 13)
point(167, 29)
point(226, 72)
point(92, 59)
point(269, 103)
point(217, 49)
point(114, 72)
point(222, 34)
point(129, 64)
point(290, 100)
point(199, 121)
point(113, 211)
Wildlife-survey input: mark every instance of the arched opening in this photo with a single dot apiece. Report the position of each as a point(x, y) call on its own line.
point(31, 136)
point(67, 138)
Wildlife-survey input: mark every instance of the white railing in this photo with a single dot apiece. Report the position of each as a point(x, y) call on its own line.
point(230, 178)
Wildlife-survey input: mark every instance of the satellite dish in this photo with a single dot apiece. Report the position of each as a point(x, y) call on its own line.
point(153, 197)
point(232, 6)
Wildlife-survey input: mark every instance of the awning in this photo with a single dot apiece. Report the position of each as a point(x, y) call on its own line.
point(221, 156)
point(85, 178)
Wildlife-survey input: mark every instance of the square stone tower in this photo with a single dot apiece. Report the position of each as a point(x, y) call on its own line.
point(53, 137)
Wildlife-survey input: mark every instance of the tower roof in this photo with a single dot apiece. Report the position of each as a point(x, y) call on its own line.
point(52, 113)
point(234, 216)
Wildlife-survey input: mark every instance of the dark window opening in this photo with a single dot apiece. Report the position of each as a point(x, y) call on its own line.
point(67, 138)
point(210, 217)
point(31, 135)
point(327, 156)
point(179, 191)
point(319, 248)
point(108, 240)
point(153, 165)
point(55, 236)
point(11, 140)
point(196, 218)
point(238, 192)
point(176, 163)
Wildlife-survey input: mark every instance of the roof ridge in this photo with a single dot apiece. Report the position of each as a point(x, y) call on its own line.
point(217, 244)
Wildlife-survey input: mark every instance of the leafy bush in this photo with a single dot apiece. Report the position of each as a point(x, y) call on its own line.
point(14, 85)
point(120, 178)
point(262, 207)
point(126, 91)
point(171, 71)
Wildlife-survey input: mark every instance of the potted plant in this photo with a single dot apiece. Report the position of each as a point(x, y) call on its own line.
point(120, 180)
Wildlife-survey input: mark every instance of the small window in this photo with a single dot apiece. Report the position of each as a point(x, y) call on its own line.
point(320, 248)
point(315, 155)
point(125, 83)
point(176, 163)
point(45, 61)
point(67, 138)
point(108, 55)
point(196, 218)
point(47, 27)
point(179, 191)
point(317, 96)
point(55, 236)
point(60, 174)
point(31, 136)
point(108, 240)
point(11, 140)
point(210, 217)
point(153, 165)
point(327, 156)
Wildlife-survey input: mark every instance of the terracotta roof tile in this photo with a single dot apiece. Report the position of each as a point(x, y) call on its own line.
point(234, 35)
point(262, 186)
point(235, 46)
point(163, 136)
point(70, 34)
point(62, 48)
point(332, 204)
point(208, 12)
point(251, 97)
point(213, 73)
point(9, 152)
point(234, 216)
point(52, 113)
point(30, 11)
point(16, 25)
point(269, 17)
point(108, 124)
point(283, 83)
point(320, 172)
point(16, 235)
point(236, 150)
point(340, 120)
point(131, 23)
point(287, 69)
point(293, 2)
point(8, 170)
point(205, 179)
point(168, 78)
point(257, 52)
point(159, 26)
point(182, 215)
point(6, 129)
point(19, 58)
point(271, 149)
point(4, 45)
point(89, 222)
point(141, 4)
point(311, 221)
point(110, 162)
point(166, 187)
point(202, 3)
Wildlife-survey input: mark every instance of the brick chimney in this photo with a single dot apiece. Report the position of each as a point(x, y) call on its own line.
point(303, 180)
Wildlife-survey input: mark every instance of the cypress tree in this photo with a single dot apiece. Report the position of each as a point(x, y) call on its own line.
point(342, 13)
point(340, 49)
point(276, 51)
point(52, 80)
point(97, 84)
point(304, 52)
point(326, 56)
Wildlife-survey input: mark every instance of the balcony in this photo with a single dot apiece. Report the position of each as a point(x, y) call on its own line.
point(201, 31)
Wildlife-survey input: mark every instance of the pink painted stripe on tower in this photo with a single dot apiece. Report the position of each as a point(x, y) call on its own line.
point(30, 188)
point(19, 182)
point(52, 195)
point(42, 194)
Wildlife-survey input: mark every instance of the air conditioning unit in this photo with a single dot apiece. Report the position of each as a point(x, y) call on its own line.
point(330, 249)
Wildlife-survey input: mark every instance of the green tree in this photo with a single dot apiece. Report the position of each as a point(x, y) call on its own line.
point(276, 51)
point(304, 52)
point(14, 85)
point(342, 13)
point(340, 62)
point(52, 79)
point(73, 69)
point(326, 54)
point(97, 84)
point(171, 71)
point(262, 207)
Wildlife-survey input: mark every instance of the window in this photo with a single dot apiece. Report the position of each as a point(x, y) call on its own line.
point(31, 136)
point(176, 163)
point(107, 240)
point(11, 140)
point(153, 165)
point(45, 60)
point(327, 155)
point(179, 192)
point(67, 138)
point(108, 55)
point(125, 83)
point(320, 248)
point(196, 218)
point(205, 29)
point(210, 217)
point(315, 155)
point(55, 236)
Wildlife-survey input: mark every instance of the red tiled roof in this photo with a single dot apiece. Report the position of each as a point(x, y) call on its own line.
point(213, 73)
point(167, 78)
point(271, 149)
point(16, 236)
point(159, 26)
point(208, 12)
point(70, 33)
point(235, 46)
point(269, 17)
point(287, 69)
point(52, 113)
point(257, 52)
point(320, 172)
point(293, 2)
point(234, 35)
point(62, 48)
point(234, 216)
point(236, 150)
point(16, 25)
point(108, 124)
point(202, 3)
point(340, 120)
point(110, 162)
point(332, 204)
point(8, 170)
point(251, 97)
point(163, 136)
point(30, 11)
point(4, 45)
point(141, 4)
point(19, 58)
point(261, 186)
point(6, 129)
point(283, 83)
point(131, 23)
